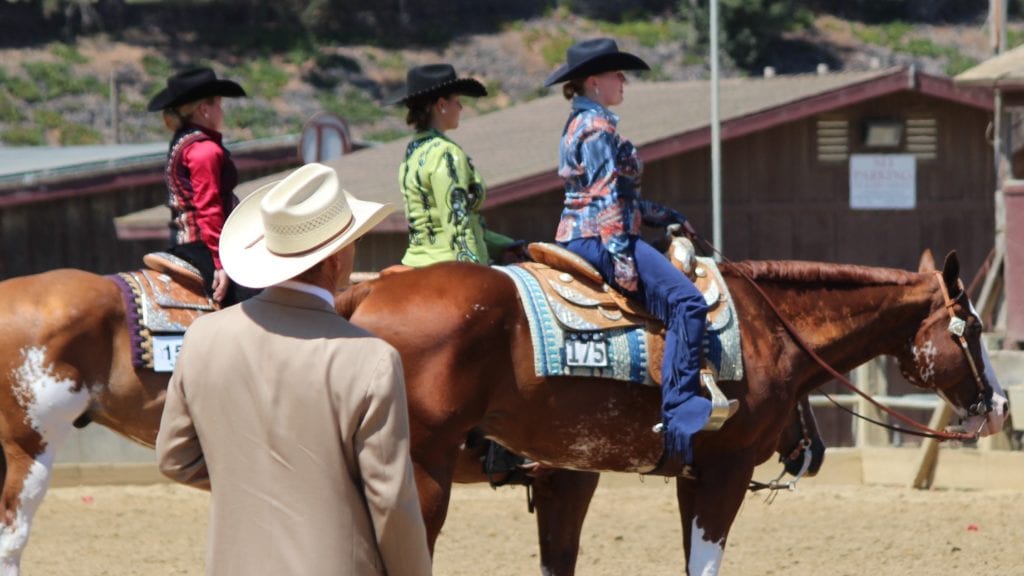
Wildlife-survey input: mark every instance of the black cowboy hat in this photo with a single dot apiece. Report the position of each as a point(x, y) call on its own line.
point(591, 57)
point(192, 85)
point(436, 80)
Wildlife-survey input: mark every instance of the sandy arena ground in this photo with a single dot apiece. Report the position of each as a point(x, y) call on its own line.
point(633, 528)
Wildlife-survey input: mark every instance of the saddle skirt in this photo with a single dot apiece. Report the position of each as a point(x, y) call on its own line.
point(580, 326)
point(159, 310)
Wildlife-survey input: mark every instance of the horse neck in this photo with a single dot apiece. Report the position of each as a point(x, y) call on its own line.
point(846, 314)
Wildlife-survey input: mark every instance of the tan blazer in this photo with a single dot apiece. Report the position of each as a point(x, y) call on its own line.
point(297, 422)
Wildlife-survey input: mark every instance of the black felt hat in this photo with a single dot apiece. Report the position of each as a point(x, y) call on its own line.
point(592, 57)
point(436, 80)
point(192, 85)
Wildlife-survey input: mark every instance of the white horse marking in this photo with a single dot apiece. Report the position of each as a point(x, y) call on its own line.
point(705, 556)
point(14, 538)
point(51, 403)
point(924, 357)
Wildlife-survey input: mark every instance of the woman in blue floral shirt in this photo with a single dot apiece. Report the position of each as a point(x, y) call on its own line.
point(601, 222)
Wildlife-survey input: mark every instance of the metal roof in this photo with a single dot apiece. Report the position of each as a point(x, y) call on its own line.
point(31, 165)
point(21, 162)
point(1003, 71)
point(516, 149)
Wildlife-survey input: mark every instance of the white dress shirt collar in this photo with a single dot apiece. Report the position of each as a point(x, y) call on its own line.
point(317, 291)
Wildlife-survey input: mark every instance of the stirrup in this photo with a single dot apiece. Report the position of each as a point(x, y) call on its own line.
point(722, 408)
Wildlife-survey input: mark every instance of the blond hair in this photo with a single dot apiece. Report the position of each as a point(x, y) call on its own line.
point(175, 118)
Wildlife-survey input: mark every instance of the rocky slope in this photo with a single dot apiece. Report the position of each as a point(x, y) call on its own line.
point(60, 94)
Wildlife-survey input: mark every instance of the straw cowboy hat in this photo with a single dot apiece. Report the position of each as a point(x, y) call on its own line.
point(287, 227)
point(591, 57)
point(192, 85)
point(436, 80)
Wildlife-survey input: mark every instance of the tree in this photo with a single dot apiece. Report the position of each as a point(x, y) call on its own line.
point(747, 27)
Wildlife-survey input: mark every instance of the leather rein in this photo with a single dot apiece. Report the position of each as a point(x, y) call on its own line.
point(956, 327)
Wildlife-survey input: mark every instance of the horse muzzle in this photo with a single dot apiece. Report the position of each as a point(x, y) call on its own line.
point(987, 417)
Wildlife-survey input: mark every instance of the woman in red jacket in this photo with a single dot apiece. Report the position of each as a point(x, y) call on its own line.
point(200, 175)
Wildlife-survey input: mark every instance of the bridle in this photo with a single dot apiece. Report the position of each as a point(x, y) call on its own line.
point(956, 327)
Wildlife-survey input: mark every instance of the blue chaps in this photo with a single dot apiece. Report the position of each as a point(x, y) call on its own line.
point(672, 298)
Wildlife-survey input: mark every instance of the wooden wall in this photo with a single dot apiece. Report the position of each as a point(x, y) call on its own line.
point(780, 202)
point(71, 224)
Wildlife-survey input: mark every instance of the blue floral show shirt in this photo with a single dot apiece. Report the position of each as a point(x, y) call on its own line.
point(602, 187)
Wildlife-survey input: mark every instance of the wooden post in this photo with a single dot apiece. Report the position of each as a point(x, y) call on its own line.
point(928, 456)
point(870, 377)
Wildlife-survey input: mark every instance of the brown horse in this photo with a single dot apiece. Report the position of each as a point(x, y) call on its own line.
point(468, 354)
point(65, 360)
point(560, 498)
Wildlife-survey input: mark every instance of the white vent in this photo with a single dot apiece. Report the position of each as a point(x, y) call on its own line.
point(833, 140)
point(922, 138)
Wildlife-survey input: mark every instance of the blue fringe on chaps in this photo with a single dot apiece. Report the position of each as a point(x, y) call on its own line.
point(672, 298)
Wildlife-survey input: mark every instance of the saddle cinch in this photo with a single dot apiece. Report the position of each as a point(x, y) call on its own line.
point(161, 300)
point(599, 332)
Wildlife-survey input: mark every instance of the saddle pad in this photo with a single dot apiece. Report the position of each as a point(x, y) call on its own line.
point(158, 311)
point(626, 348)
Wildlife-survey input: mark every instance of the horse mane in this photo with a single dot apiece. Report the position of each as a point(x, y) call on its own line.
point(796, 271)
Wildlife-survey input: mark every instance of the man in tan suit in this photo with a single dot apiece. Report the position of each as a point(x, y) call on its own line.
point(293, 418)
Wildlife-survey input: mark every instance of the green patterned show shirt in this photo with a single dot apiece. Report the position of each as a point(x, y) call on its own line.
point(443, 195)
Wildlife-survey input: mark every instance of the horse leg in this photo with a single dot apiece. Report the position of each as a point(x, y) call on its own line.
point(707, 507)
point(561, 499)
point(434, 484)
point(37, 408)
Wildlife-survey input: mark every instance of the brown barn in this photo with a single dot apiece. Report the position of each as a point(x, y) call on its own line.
point(57, 205)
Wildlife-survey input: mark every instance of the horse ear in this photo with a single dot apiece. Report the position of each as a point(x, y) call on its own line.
point(927, 263)
point(951, 270)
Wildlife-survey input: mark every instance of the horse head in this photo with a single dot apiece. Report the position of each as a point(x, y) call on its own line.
point(947, 353)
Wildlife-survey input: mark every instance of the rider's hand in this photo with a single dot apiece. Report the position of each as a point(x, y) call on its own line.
point(220, 284)
point(515, 253)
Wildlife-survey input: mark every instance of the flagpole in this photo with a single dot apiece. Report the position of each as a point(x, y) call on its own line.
point(716, 136)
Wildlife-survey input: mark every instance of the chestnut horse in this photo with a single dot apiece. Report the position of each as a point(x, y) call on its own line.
point(468, 355)
point(65, 360)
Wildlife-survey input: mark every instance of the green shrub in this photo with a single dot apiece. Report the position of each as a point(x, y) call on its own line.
point(56, 80)
point(68, 54)
point(959, 63)
point(9, 111)
point(157, 67)
point(48, 118)
point(648, 33)
point(387, 135)
point(554, 49)
point(890, 35)
point(79, 135)
point(263, 78)
point(23, 136)
point(257, 119)
point(23, 89)
point(355, 106)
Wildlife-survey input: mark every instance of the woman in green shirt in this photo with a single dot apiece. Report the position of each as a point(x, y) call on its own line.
point(443, 192)
point(443, 196)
